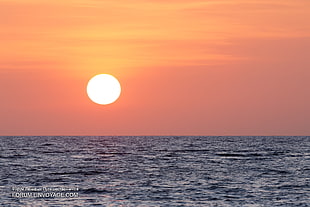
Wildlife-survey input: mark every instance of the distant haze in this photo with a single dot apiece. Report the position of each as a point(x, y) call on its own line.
point(186, 67)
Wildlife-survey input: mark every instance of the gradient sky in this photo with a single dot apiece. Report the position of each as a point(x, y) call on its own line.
point(187, 67)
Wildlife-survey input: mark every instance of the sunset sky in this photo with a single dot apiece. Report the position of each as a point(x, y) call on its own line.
point(187, 67)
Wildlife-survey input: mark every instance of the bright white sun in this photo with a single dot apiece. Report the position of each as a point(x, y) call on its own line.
point(103, 89)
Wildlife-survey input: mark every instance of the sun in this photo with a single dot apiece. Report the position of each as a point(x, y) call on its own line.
point(103, 89)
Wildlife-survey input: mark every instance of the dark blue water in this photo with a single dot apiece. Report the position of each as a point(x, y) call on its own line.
point(156, 171)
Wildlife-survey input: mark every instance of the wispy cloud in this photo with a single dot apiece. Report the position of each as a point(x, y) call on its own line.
point(144, 31)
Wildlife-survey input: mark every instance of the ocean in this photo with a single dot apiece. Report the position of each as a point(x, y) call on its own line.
point(154, 171)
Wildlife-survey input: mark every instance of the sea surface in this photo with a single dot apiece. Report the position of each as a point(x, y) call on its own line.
point(154, 171)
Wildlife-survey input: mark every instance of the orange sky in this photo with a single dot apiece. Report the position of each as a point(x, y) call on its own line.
point(187, 67)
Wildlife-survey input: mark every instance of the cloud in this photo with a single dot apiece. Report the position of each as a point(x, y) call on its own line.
point(144, 32)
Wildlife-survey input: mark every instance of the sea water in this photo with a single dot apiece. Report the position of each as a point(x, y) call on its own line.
point(154, 171)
